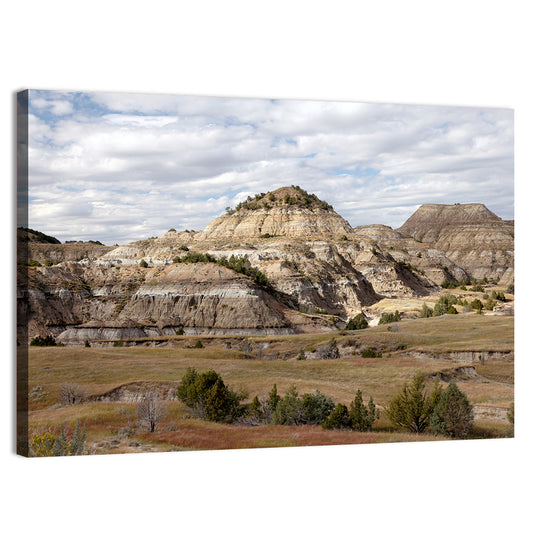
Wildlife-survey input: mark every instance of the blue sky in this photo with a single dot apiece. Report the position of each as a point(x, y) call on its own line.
point(118, 167)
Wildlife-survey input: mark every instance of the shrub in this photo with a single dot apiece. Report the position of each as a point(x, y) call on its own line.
point(476, 304)
point(71, 393)
point(47, 444)
point(453, 413)
point(489, 304)
point(426, 311)
point(143, 264)
point(370, 353)
point(357, 322)
point(183, 248)
point(316, 407)
point(288, 409)
point(362, 417)
point(387, 318)
point(118, 344)
point(498, 296)
point(87, 344)
point(510, 289)
point(48, 263)
point(43, 341)
point(413, 407)
point(338, 418)
point(209, 397)
point(451, 311)
point(329, 351)
point(198, 344)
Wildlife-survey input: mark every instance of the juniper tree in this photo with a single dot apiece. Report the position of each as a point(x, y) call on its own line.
point(453, 414)
point(413, 407)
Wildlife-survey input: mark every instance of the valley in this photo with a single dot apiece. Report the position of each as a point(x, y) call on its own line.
point(265, 296)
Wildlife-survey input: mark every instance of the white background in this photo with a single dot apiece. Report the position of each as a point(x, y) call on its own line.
point(459, 53)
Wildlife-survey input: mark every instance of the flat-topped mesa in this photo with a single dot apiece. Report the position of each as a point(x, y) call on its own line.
point(288, 211)
point(429, 220)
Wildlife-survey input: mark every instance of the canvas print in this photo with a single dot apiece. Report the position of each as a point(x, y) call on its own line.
point(204, 273)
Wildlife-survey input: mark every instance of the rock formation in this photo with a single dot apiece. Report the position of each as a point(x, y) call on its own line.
point(281, 262)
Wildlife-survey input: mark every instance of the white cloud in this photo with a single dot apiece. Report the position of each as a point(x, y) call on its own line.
point(125, 166)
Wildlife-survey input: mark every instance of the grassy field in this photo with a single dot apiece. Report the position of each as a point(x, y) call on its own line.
point(111, 425)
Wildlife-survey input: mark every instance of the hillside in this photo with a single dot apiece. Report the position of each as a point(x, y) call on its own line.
point(280, 262)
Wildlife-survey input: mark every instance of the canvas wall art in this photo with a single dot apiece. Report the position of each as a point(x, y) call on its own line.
point(206, 273)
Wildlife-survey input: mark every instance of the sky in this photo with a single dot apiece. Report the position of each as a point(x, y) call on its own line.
point(120, 167)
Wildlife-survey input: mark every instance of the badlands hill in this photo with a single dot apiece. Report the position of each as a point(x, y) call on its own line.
point(280, 262)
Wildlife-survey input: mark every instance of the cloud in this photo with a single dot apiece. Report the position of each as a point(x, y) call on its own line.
point(118, 167)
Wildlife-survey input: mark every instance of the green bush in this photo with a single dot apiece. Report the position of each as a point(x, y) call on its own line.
point(370, 353)
point(316, 407)
point(413, 407)
point(362, 416)
point(388, 318)
point(445, 305)
point(338, 418)
point(143, 264)
point(426, 312)
point(357, 322)
point(476, 304)
point(453, 414)
point(43, 341)
point(209, 397)
point(288, 409)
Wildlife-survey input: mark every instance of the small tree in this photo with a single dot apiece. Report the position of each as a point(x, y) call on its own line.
point(272, 401)
point(453, 414)
point(71, 393)
point(143, 263)
point(150, 410)
point(357, 322)
point(362, 417)
point(426, 312)
point(413, 407)
point(289, 410)
point(209, 397)
point(387, 318)
point(316, 407)
point(338, 418)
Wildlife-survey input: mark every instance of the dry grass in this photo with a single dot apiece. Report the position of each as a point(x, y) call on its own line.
point(100, 370)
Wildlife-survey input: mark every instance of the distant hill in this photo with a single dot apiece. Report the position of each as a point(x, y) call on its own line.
point(32, 235)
